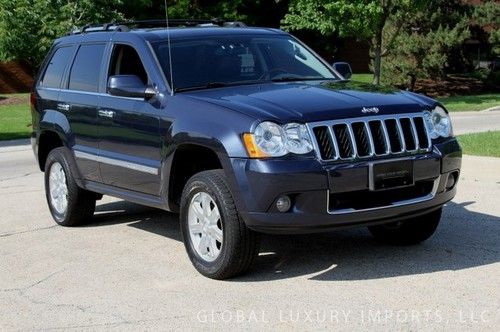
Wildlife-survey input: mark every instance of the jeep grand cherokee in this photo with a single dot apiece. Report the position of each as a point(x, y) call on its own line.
point(241, 130)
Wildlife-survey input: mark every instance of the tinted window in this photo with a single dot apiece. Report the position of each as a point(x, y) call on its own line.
point(126, 61)
point(55, 69)
point(85, 72)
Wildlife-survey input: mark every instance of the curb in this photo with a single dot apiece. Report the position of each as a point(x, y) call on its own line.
point(15, 145)
point(492, 109)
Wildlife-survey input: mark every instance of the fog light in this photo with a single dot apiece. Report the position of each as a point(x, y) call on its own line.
point(452, 180)
point(283, 203)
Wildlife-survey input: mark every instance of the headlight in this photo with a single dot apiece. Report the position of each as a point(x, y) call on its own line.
point(438, 123)
point(297, 138)
point(273, 140)
point(270, 139)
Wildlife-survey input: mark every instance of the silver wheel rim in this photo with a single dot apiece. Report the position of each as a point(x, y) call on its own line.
point(205, 227)
point(58, 188)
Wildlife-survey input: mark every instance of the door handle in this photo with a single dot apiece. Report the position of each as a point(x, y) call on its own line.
point(106, 113)
point(63, 107)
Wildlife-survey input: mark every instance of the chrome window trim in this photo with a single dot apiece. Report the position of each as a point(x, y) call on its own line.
point(117, 162)
point(92, 93)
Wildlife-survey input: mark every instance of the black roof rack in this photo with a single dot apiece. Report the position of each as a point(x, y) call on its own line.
point(128, 25)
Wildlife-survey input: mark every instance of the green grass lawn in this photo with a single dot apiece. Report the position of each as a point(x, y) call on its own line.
point(471, 103)
point(14, 119)
point(481, 144)
point(365, 78)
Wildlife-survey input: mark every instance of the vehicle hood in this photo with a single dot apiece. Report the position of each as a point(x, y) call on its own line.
point(312, 101)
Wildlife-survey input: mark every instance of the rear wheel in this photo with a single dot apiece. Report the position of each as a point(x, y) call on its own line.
point(68, 204)
point(217, 241)
point(408, 232)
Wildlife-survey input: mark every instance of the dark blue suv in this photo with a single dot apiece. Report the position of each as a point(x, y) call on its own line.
point(241, 130)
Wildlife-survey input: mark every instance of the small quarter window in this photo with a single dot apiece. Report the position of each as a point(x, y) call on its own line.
point(85, 72)
point(55, 69)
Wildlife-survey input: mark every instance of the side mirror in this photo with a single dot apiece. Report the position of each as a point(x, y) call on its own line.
point(129, 86)
point(344, 69)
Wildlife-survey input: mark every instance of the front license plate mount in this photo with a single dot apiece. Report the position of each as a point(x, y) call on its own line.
point(390, 175)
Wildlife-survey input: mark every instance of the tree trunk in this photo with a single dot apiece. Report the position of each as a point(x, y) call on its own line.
point(377, 61)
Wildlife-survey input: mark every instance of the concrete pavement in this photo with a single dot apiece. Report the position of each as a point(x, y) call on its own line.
point(128, 270)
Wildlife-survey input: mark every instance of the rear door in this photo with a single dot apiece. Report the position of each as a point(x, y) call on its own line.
point(130, 144)
point(49, 85)
point(79, 101)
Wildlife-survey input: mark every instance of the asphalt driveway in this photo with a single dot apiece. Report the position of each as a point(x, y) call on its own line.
point(128, 270)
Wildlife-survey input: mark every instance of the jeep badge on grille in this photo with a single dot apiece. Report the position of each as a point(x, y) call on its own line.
point(366, 110)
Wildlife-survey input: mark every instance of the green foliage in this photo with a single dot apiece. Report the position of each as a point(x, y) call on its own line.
point(28, 27)
point(365, 20)
point(347, 18)
point(425, 43)
point(488, 15)
point(206, 9)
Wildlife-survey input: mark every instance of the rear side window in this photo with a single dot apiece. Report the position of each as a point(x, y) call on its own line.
point(85, 72)
point(55, 69)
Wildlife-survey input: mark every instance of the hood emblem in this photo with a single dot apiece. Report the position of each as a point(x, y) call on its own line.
point(366, 110)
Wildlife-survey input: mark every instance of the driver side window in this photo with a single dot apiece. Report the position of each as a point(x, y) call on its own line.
point(126, 61)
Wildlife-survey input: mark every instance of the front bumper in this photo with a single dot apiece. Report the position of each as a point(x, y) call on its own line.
point(313, 185)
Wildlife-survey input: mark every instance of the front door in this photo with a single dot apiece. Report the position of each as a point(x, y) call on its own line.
point(129, 146)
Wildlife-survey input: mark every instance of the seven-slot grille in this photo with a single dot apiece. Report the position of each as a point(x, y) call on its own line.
point(370, 137)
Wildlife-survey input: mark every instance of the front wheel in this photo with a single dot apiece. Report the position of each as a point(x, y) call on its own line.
point(408, 232)
point(217, 241)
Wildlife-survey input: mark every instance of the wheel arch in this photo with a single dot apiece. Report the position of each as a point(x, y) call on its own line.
point(54, 132)
point(186, 160)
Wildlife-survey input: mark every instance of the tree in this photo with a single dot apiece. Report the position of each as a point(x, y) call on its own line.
point(426, 41)
point(367, 20)
point(28, 27)
point(488, 15)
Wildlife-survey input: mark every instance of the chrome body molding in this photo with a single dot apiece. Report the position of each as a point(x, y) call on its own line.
point(117, 162)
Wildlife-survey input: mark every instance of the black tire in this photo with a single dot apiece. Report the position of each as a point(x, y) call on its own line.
point(240, 245)
point(80, 203)
point(408, 232)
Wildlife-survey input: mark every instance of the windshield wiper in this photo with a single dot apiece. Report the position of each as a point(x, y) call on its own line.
point(298, 79)
point(213, 85)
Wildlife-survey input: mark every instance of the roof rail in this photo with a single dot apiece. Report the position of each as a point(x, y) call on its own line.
point(125, 26)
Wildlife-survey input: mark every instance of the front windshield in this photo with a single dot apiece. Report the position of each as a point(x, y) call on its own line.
point(237, 60)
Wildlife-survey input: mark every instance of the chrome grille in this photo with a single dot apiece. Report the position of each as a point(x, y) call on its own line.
point(373, 136)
